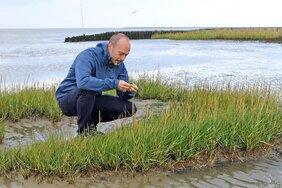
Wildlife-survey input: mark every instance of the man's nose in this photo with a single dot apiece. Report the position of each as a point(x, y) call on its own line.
point(122, 57)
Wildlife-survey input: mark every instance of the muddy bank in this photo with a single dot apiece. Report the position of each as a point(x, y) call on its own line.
point(257, 169)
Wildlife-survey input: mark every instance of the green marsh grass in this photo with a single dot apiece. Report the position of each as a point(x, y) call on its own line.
point(199, 121)
point(29, 102)
point(223, 34)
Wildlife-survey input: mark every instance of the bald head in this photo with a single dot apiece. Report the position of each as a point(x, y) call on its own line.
point(119, 48)
point(117, 37)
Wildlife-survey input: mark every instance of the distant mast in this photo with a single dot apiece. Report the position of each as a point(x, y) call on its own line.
point(81, 11)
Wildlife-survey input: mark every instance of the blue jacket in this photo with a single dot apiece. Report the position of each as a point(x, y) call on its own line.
point(91, 70)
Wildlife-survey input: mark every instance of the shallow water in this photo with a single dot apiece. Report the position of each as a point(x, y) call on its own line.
point(265, 173)
point(42, 56)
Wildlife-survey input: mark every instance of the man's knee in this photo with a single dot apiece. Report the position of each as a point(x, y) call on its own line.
point(86, 97)
point(87, 93)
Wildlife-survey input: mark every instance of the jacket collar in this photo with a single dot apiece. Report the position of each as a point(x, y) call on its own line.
point(105, 52)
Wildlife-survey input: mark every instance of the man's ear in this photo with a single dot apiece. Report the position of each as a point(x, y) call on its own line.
point(110, 47)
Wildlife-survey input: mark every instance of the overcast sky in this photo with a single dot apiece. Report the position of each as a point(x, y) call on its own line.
point(139, 13)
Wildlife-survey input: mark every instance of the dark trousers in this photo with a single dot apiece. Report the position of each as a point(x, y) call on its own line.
point(91, 107)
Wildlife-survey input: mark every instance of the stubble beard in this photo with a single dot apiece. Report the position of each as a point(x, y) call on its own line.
point(115, 62)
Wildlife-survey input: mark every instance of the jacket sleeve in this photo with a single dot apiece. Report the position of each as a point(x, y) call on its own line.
point(85, 64)
point(124, 76)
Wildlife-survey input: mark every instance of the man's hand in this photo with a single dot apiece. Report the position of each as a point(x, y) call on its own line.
point(132, 88)
point(123, 86)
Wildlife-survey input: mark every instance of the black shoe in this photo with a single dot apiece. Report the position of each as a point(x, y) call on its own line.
point(89, 131)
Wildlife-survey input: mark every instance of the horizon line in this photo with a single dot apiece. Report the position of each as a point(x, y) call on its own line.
point(142, 27)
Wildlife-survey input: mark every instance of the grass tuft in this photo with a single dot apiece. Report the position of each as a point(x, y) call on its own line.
point(29, 102)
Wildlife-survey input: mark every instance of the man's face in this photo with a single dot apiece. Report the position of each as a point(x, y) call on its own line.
point(119, 52)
